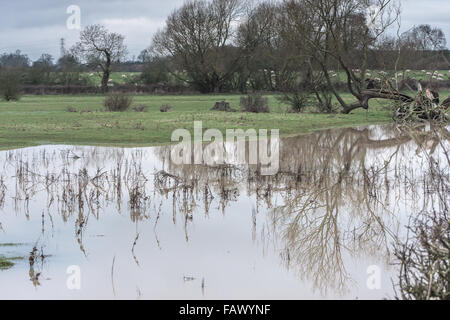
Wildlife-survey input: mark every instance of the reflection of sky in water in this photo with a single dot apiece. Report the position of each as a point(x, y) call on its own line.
point(310, 232)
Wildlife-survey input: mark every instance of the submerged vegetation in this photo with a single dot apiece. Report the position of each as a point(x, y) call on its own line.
point(336, 194)
point(341, 197)
point(5, 263)
point(424, 257)
point(8, 262)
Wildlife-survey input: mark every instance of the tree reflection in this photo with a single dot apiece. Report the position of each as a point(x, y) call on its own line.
point(338, 193)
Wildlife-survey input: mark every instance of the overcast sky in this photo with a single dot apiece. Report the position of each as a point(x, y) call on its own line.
point(36, 26)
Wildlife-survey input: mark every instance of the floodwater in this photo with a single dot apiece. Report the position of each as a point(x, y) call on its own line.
point(135, 226)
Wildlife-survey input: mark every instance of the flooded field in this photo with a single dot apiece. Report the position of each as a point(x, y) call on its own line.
point(133, 225)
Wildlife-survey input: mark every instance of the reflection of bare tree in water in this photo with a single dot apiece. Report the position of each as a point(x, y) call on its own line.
point(342, 201)
point(36, 261)
point(2, 191)
point(336, 195)
point(423, 257)
point(332, 197)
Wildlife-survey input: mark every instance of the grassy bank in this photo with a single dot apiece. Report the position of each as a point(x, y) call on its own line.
point(38, 120)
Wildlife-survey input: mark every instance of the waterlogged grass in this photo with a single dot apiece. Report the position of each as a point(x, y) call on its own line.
point(10, 244)
point(7, 263)
point(39, 120)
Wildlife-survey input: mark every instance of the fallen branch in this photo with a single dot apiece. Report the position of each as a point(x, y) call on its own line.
point(377, 94)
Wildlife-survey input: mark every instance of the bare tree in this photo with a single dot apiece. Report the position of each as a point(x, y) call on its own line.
point(428, 45)
point(198, 37)
point(100, 48)
point(428, 38)
point(11, 80)
point(42, 69)
point(69, 69)
point(342, 33)
point(14, 60)
point(271, 62)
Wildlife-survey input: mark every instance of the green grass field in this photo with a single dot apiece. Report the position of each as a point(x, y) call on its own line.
point(425, 75)
point(39, 120)
point(95, 78)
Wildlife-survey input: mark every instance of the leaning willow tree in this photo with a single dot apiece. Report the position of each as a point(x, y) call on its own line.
point(343, 33)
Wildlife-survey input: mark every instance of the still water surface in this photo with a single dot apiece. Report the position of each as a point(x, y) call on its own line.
point(140, 227)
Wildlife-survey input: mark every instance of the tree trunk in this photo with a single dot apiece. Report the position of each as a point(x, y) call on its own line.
point(106, 73)
point(446, 103)
point(105, 80)
point(366, 95)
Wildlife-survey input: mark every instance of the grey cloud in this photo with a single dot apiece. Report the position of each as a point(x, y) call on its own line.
point(35, 27)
